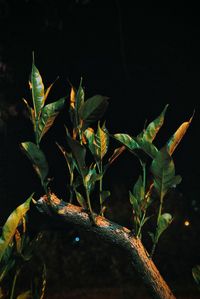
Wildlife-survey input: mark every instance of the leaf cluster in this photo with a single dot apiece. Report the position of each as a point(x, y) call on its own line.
point(89, 136)
point(16, 251)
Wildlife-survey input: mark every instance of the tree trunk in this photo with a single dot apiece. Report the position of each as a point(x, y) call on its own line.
point(117, 235)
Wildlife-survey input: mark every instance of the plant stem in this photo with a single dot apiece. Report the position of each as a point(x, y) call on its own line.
point(158, 217)
point(89, 205)
point(153, 250)
point(14, 283)
point(144, 188)
point(160, 209)
point(71, 186)
point(100, 188)
point(36, 133)
point(140, 225)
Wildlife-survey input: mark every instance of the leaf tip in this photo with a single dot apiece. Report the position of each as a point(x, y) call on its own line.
point(33, 57)
point(191, 118)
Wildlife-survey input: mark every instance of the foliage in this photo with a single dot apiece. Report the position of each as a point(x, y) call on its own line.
point(16, 251)
point(88, 158)
point(42, 117)
point(88, 147)
point(196, 275)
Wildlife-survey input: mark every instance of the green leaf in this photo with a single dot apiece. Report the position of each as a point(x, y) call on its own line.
point(138, 190)
point(135, 144)
point(37, 158)
point(177, 136)
point(80, 96)
point(163, 172)
point(92, 110)
point(8, 254)
point(48, 115)
point(104, 195)
point(90, 137)
point(80, 199)
point(79, 153)
point(177, 180)
point(152, 129)
point(91, 178)
point(147, 147)
point(69, 159)
point(127, 140)
point(37, 87)
point(102, 141)
point(76, 102)
point(163, 222)
point(134, 203)
point(9, 228)
point(196, 274)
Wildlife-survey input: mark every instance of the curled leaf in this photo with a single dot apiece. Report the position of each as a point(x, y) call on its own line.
point(177, 136)
point(48, 115)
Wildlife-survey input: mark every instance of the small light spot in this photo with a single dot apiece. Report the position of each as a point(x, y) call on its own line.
point(77, 239)
point(186, 222)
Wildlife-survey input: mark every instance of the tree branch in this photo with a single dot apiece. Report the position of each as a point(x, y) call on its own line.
point(117, 235)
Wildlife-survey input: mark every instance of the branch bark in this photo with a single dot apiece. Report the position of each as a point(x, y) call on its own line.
point(117, 235)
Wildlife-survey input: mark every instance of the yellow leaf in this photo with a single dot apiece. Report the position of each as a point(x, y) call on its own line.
point(25, 295)
point(177, 136)
point(72, 98)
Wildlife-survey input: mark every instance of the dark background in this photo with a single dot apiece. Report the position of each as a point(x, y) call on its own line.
point(142, 56)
